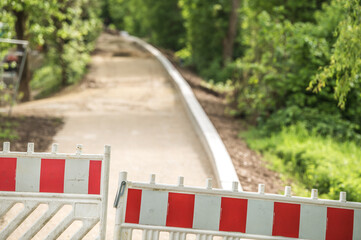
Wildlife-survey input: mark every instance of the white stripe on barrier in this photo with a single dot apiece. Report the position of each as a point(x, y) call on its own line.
point(205, 206)
point(313, 222)
point(357, 225)
point(28, 174)
point(259, 217)
point(76, 176)
point(153, 210)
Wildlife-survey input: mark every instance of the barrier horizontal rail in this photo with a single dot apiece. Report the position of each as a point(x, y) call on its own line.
point(30, 179)
point(207, 212)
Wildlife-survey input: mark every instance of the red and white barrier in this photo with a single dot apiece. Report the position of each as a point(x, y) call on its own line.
point(55, 175)
point(241, 214)
point(54, 179)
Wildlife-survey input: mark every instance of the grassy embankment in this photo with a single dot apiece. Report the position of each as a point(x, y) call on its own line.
point(311, 161)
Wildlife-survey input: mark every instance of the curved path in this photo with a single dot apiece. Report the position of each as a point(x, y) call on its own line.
point(127, 101)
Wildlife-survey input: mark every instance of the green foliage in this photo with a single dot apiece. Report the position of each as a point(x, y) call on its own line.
point(165, 24)
point(196, 28)
point(304, 134)
point(46, 80)
point(66, 30)
point(7, 131)
point(282, 57)
point(206, 23)
point(159, 21)
point(277, 66)
point(295, 11)
point(114, 12)
point(129, 15)
point(322, 123)
point(5, 94)
point(75, 26)
point(345, 63)
point(313, 160)
point(218, 87)
point(6, 31)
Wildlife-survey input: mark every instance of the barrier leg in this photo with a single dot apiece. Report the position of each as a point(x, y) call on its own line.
point(105, 184)
point(119, 205)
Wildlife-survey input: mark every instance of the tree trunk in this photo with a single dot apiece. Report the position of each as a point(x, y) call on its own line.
point(24, 87)
point(228, 41)
point(62, 63)
point(20, 28)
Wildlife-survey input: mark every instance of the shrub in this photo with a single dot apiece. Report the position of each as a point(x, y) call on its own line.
point(313, 160)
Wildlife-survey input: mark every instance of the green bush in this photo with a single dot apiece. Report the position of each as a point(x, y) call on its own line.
point(7, 130)
point(324, 123)
point(46, 81)
point(159, 21)
point(277, 67)
point(272, 79)
point(206, 23)
point(314, 161)
point(345, 64)
point(165, 24)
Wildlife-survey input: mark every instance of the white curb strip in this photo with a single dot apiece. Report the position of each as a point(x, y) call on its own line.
point(217, 152)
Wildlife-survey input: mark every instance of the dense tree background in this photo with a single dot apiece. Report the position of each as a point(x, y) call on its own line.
point(282, 54)
point(63, 31)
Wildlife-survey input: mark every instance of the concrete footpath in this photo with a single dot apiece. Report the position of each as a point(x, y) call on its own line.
point(128, 102)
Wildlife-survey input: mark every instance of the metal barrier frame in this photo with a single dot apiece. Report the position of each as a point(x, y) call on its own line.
point(25, 45)
point(123, 231)
point(84, 206)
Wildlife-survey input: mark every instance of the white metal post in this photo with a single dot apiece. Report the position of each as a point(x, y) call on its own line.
point(6, 147)
point(119, 215)
point(105, 187)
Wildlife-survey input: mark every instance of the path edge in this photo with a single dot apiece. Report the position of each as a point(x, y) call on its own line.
point(211, 141)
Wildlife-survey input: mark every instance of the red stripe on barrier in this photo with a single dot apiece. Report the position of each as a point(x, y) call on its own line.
point(95, 173)
point(7, 174)
point(233, 215)
point(339, 224)
point(286, 219)
point(180, 210)
point(133, 206)
point(52, 175)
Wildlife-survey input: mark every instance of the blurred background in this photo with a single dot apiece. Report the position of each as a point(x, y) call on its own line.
point(289, 71)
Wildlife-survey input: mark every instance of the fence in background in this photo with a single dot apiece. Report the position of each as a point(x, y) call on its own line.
point(207, 213)
point(13, 75)
point(33, 180)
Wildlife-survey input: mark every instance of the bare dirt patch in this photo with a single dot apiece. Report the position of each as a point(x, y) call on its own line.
point(21, 130)
point(250, 167)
